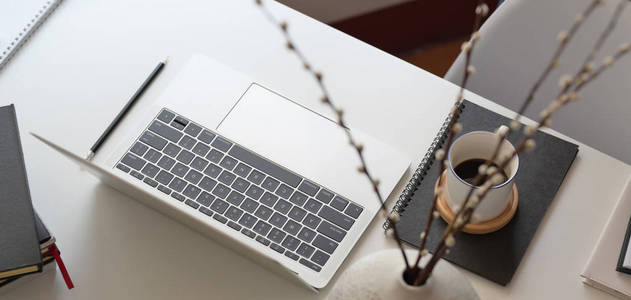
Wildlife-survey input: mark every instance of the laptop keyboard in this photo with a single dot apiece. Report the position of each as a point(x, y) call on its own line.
point(240, 189)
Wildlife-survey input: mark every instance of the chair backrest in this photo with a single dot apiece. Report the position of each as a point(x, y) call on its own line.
point(518, 40)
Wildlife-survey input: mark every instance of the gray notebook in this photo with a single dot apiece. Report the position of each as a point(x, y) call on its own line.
point(496, 255)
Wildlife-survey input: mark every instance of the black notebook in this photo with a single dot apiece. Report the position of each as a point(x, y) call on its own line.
point(496, 255)
point(19, 244)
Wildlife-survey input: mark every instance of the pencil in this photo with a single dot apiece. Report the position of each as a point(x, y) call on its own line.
point(125, 109)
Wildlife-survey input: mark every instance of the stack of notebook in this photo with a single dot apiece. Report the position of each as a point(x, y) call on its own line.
point(25, 243)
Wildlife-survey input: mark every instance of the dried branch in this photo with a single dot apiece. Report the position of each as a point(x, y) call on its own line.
point(326, 99)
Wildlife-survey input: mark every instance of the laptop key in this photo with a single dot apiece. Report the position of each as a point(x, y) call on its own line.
point(205, 199)
point(247, 220)
point(240, 185)
point(152, 156)
point(284, 191)
point(133, 161)
point(166, 116)
point(313, 206)
point(187, 142)
point(305, 250)
point(331, 231)
point(262, 228)
point(137, 175)
point(263, 212)
point(311, 221)
point(292, 227)
point(353, 210)
point(249, 205)
point(306, 234)
point(178, 197)
point(336, 217)
point(180, 169)
point(150, 170)
point(282, 206)
point(139, 148)
point(277, 248)
point(254, 192)
point(278, 220)
point(193, 177)
point(339, 203)
point(221, 144)
point(264, 165)
point(310, 265)
point(320, 258)
point(256, 177)
point(192, 129)
point(207, 184)
point(164, 177)
point(206, 136)
point(228, 163)
point(308, 187)
point(171, 150)
point(220, 218)
point(199, 164)
point(123, 168)
point(324, 244)
point(177, 184)
point(221, 191)
point(212, 170)
point(192, 204)
point(164, 189)
point(150, 182)
point(324, 196)
point(201, 149)
point(226, 177)
point(276, 235)
point(185, 157)
point(270, 184)
point(214, 155)
point(242, 170)
point(234, 225)
point(206, 211)
point(219, 206)
point(166, 163)
point(153, 140)
point(191, 191)
point(165, 131)
point(268, 199)
point(292, 255)
point(262, 240)
point(248, 233)
point(235, 198)
point(298, 198)
point(297, 213)
point(233, 213)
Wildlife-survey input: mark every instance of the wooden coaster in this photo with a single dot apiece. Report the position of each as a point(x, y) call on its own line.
point(477, 228)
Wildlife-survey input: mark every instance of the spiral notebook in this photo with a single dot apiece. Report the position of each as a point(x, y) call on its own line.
point(496, 255)
point(18, 21)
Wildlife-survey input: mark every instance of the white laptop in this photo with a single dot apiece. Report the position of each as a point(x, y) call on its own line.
point(250, 168)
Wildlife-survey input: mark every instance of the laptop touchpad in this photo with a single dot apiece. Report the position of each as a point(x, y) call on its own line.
point(300, 140)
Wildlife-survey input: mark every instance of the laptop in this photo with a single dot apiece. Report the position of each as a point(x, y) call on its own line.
point(258, 172)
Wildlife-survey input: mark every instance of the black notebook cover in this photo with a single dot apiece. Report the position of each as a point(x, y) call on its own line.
point(623, 251)
point(496, 255)
point(19, 245)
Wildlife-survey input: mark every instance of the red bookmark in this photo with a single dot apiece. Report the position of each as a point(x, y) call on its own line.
point(62, 267)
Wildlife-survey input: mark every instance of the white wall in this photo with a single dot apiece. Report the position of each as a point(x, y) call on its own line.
point(329, 11)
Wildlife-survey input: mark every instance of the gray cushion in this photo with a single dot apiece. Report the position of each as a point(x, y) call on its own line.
point(517, 42)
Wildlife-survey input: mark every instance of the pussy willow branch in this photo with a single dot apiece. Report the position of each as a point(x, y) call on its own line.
point(326, 99)
point(467, 47)
point(464, 215)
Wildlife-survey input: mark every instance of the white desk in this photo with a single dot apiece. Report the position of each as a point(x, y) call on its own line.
point(89, 57)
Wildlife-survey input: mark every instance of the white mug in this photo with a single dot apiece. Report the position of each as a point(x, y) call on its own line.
point(479, 145)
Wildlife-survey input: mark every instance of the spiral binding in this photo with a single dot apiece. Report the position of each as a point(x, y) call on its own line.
point(422, 168)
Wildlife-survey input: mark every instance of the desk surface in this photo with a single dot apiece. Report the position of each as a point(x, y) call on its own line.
point(89, 57)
